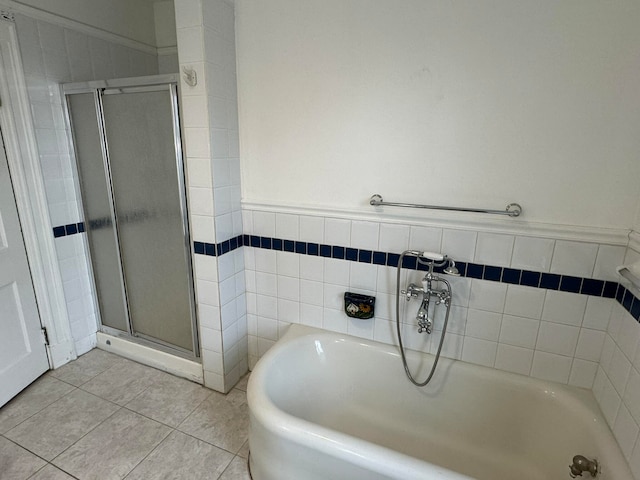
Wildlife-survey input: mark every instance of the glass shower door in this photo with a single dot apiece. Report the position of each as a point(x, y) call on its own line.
point(98, 208)
point(129, 158)
point(148, 190)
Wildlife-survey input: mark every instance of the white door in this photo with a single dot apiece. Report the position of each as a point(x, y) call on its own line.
point(23, 356)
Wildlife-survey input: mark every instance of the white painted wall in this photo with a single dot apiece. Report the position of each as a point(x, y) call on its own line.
point(131, 19)
point(165, 24)
point(462, 103)
point(166, 40)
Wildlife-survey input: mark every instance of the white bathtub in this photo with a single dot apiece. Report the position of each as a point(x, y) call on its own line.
point(328, 406)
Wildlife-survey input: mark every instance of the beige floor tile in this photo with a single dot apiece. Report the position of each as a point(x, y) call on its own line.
point(237, 470)
point(244, 450)
point(16, 463)
point(85, 367)
point(40, 394)
point(222, 420)
point(55, 428)
point(242, 384)
point(122, 382)
point(114, 448)
point(180, 456)
point(169, 400)
point(51, 473)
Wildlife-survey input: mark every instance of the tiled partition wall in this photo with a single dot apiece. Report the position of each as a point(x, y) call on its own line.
point(543, 307)
point(206, 44)
point(617, 382)
point(51, 55)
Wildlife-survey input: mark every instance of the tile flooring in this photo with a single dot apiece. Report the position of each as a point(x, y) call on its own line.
point(104, 417)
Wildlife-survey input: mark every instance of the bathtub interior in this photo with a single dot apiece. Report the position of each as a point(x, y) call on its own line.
point(472, 420)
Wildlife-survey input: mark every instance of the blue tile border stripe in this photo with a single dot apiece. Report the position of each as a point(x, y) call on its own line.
point(512, 276)
point(66, 230)
point(219, 249)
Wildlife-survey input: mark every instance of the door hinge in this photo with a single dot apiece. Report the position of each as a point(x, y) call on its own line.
point(45, 335)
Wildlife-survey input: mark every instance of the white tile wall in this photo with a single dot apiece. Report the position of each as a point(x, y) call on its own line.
point(617, 382)
point(481, 352)
point(530, 253)
point(427, 239)
point(337, 231)
point(206, 43)
point(311, 268)
point(549, 366)
point(494, 249)
point(459, 244)
point(547, 334)
point(394, 238)
point(514, 359)
point(519, 331)
point(608, 258)
point(311, 228)
point(590, 344)
point(582, 373)
point(286, 226)
point(574, 258)
point(563, 307)
point(488, 296)
point(557, 338)
point(483, 325)
point(365, 235)
point(524, 301)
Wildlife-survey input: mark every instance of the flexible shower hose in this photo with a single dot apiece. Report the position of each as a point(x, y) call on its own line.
point(444, 327)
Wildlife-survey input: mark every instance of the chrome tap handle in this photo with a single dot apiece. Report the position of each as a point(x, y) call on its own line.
point(424, 325)
point(411, 292)
point(408, 294)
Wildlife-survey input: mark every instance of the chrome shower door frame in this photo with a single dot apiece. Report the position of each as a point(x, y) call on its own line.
point(135, 85)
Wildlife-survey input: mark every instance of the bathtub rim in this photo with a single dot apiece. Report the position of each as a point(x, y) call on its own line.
point(354, 450)
point(367, 454)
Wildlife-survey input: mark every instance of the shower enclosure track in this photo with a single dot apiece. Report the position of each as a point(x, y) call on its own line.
point(512, 210)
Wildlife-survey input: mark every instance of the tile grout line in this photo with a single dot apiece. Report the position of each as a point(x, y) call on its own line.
point(87, 433)
point(553, 281)
point(150, 452)
point(545, 280)
point(209, 443)
point(229, 465)
point(159, 421)
point(120, 408)
point(152, 419)
point(202, 440)
point(43, 408)
point(26, 449)
point(176, 429)
point(56, 467)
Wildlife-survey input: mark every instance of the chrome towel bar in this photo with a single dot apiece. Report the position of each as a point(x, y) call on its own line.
point(512, 210)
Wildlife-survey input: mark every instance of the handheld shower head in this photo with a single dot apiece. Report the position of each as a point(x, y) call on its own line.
point(451, 269)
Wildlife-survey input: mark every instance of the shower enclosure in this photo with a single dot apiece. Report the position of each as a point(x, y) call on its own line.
point(128, 153)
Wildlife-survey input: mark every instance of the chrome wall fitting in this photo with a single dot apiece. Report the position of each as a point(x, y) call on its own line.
point(512, 210)
point(190, 76)
point(452, 269)
point(582, 464)
point(428, 291)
